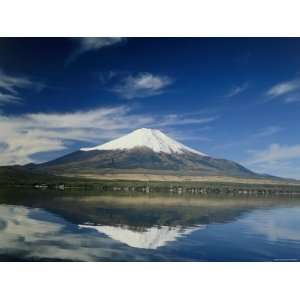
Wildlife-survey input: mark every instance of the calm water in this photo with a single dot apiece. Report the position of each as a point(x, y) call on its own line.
point(43, 226)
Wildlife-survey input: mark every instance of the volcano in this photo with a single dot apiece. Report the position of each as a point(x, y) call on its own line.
point(144, 151)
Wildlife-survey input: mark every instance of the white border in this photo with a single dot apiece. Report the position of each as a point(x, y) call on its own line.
point(153, 281)
point(143, 281)
point(149, 18)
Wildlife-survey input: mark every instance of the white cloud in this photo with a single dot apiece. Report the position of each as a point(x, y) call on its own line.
point(276, 152)
point(25, 135)
point(141, 85)
point(237, 90)
point(10, 87)
point(86, 44)
point(284, 88)
point(287, 168)
point(11, 84)
point(279, 160)
point(9, 99)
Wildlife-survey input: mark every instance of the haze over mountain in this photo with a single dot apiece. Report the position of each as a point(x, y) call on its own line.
point(144, 151)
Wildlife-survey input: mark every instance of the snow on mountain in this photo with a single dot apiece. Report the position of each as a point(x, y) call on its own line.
point(151, 238)
point(144, 137)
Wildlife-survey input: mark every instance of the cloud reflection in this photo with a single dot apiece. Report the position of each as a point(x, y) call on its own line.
point(276, 225)
point(34, 234)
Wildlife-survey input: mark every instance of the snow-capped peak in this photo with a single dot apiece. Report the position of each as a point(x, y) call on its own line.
point(144, 137)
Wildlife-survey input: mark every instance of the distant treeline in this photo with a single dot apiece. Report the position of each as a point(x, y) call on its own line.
point(15, 178)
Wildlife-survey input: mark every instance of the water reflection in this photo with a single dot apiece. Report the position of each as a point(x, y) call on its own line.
point(24, 235)
point(82, 227)
point(144, 238)
point(276, 225)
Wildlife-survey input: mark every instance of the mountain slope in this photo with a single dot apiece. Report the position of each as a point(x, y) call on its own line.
point(144, 151)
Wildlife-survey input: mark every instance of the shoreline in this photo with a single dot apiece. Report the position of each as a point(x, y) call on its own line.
point(171, 188)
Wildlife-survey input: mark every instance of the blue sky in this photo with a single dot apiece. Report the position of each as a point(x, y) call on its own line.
point(234, 98)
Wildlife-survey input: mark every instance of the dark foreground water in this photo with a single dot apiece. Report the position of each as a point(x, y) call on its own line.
point(43, 226)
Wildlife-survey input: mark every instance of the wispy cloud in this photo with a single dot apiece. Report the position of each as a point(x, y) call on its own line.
point(95, 43)
point(252, 138)
point(237, 90)
point(276, 159)
point(275, 153)
point(268, 131)
point(12, 84)
point(87, 44)
point(284, 88)
point(141, 85)
point(23, 136)
point(9, 99)
point(177, 119)
point(106, 77)
point(292, 98)
point(10, 87)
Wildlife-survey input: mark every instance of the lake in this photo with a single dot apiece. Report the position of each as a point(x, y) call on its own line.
point(64, 226)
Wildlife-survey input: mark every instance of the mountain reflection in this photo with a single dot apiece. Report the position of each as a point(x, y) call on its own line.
point(139, 211)
point(74, 226)
point(148, 238)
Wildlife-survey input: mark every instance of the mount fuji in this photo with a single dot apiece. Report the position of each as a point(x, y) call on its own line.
point(144, 151)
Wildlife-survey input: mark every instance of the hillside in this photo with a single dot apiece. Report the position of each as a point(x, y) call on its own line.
point(143, 160)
